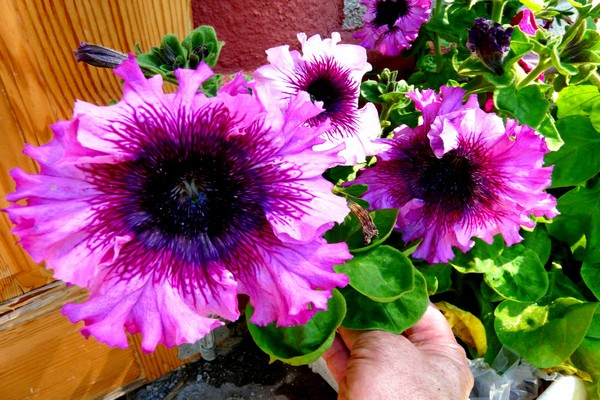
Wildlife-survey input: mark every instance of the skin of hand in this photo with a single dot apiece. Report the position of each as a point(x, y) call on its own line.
point(425, 362)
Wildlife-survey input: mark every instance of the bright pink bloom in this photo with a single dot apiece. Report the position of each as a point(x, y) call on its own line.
point(167, 206)
point(459, 175)
point(525, 19)
point(391, 25)
point(331, 74)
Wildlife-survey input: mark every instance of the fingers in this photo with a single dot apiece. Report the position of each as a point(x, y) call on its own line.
point(432, 328)
point(337, 357)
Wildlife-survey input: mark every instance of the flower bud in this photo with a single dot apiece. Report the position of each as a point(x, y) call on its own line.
point(98, 56)
point(490, 42)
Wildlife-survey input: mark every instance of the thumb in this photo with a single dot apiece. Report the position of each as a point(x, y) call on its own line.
point(431, 330)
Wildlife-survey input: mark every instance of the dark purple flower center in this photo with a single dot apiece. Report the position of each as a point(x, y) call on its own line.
point(447, 182)
point(327, 81)
point(191, 192)
point(388, 12)
point(450, 186)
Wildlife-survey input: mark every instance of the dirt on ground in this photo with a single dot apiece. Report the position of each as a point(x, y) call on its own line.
point(241, 371)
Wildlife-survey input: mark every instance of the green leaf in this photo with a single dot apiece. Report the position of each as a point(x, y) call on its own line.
point(355, 190)
point(490, 294)
point(579, 216)
point(595, 118)
point(561, 67)
point(437, 276)
point(371, 91)
point(507, 79)
point(538, 241)
point(171, 53)
point(520, 44)
point(534, 5)
point(352, 192)
point(550, 132)
point(518, 275)
point(544, 335)
point(350, 231)
point(590, 272)
point(396, 316)
point(529, 106)
point(577, 160)
point(560, 286)
point(577, 100)
point(587, 356)
point(203, 44)
point(472, 67)
point(594, 331)
point(342, 173)
point(148, 61)
point(480, 258)
point(297, 345)
point(382, 274)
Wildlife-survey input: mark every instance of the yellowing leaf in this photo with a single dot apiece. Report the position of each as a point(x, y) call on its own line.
point(567, 368)
point(465, 326)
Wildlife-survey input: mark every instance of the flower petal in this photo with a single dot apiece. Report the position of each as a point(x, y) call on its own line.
point(154, 308)
point(294, 282)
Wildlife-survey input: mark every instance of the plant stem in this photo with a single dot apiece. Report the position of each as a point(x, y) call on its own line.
point(497, 10)
point(595, 78)
point(436, 39)
point(571, 32)
point(386, 110)
point(534, 73)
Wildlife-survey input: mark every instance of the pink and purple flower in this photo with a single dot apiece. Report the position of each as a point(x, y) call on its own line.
point(462, 173)
point(331, 74)
point(525, 20)
point(167, 206)
point(392, 25)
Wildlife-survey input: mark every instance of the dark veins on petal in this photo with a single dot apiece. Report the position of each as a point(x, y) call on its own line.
point(191, 192)
point(388, 12)
point(327, 81)
point(450, 186)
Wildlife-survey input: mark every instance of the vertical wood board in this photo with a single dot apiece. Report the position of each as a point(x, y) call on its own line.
point(43, 355)
point(40, 81)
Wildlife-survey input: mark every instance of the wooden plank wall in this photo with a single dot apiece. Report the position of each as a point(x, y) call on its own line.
point(42, 355)
point(40, 80)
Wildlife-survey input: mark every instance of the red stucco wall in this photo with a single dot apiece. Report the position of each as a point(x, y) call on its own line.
point(250, 27)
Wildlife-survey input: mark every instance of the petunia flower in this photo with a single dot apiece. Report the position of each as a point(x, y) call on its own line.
point(490, 42)
point(392, 25)
point(462, 173)
point(525, 19)
point(331, 73)
point(167, 206)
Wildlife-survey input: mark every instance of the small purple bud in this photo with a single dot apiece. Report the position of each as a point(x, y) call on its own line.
point(490, 42)
point(98, 56)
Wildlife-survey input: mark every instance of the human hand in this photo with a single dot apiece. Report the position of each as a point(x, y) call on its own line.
point(425, 362)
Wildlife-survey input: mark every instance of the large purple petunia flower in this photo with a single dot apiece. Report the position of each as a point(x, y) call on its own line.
point(391, 25)
point(331, 73)
point(461, 174)
point(167, 206)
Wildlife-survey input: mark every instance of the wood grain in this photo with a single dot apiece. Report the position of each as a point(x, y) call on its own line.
point(43, 355)
point(47, 358)
point(40, 80)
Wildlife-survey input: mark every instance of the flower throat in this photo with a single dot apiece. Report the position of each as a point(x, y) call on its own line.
point(389, 11)
point(449, 182)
